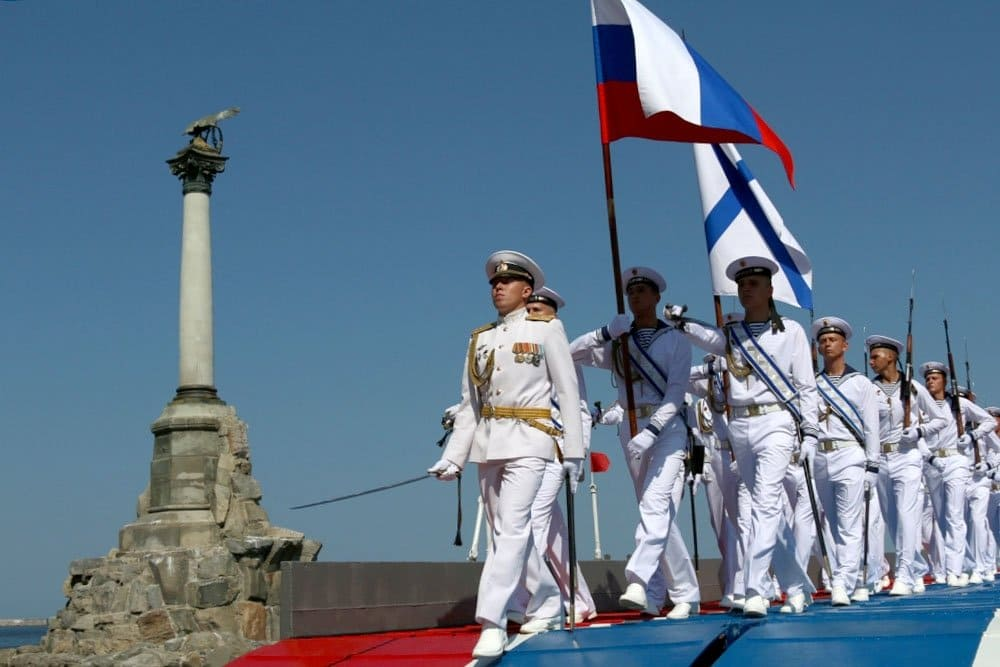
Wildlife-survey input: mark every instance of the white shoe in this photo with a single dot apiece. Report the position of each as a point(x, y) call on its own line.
point(918, 586)
point(899, 588)
point(989, 576)
point(584, 616)
point(726, 602)
point(882, 584)
point(634, 597)
point(738, 602)
point(975, 578)
point(491, 644)
point(683, 610)
point(963, 579)
point(795, 604)
point(940, 579)
point(838, 597)
point(755, 607)
point(537, 625)
point(860, 595)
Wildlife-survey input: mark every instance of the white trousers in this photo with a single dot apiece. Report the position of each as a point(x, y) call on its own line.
point(508, 488)
point(948, 494)
point(729, 507)
point(763, 446)
point(659, 482)
point(800, 514)
point(548, 591)
point(993, 515)
point(840, 477)
point(902, 509)
point(977, 506)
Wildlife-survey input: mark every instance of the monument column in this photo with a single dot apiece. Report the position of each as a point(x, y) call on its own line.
point(196, 169)
point(176, 510)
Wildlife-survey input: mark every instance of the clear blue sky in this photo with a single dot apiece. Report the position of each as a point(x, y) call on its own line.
point(384, 149)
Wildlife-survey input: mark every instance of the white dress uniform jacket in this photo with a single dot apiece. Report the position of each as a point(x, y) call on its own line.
point(522, 362)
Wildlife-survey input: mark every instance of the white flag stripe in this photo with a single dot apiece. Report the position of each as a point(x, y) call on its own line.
point(740, 220)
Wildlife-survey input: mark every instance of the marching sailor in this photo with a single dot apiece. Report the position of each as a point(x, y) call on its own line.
point(948, 474)
point(660, 363)
point(513, 368)
point(993, 510)
point(978, 491)
point(772, 394)
point(847, 456)
point(548, 523)
point(902, 460)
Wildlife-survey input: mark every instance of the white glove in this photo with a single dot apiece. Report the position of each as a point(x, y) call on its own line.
point(982, 466)
point(613, 415)
point(733, 467)
point(964, 440)
point(871, 479)
point(807, 450)
point(619, 325)
point(910, 436)
point(694, 481)
point(573, 468)
point(674, 314)
point(714, 364)
point(937, 463)
point(922, 448)
point(638, 445)
point(444, 470)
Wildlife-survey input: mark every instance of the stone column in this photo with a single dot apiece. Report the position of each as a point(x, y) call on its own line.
point(177, 508)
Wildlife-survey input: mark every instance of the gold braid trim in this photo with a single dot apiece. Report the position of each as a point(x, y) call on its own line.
point(743, 369)
point(540, 318)
point(477, 379)
point(529, 416)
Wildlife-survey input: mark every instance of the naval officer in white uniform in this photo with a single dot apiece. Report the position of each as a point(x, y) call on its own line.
point(514, 366)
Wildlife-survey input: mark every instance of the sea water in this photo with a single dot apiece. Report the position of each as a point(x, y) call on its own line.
point(19, 635)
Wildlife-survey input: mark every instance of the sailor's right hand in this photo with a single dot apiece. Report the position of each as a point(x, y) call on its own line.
point(444, 470)
point(674, 315)
point(910, 435)
point(807, 450)
point(619, 325)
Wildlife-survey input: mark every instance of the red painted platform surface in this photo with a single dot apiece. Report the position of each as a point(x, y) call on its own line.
point(441, 647)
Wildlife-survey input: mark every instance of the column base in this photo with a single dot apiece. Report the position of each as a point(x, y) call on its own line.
point(197, 393)
point(171, 529)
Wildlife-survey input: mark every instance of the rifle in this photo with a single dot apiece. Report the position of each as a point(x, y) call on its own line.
point(904, 389)
point(864, 333)
point(956, 404)
point(968, 373)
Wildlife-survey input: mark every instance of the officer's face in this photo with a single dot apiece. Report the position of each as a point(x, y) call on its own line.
point(881, 360)
point(642, 298)
point(509, 293)
point(935, 384)
point(832, 346)
point(754, 291)
point(540, 308)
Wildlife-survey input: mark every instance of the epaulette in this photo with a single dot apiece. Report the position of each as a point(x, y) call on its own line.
point(538, 317)
point(485, 327)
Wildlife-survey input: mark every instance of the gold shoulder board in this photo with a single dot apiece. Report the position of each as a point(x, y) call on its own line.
point(540, 318)
point(485, 327)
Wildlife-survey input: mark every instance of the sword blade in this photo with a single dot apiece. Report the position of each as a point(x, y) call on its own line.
point(363, 493)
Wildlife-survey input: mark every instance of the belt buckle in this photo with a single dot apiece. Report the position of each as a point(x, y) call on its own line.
point(754, 410)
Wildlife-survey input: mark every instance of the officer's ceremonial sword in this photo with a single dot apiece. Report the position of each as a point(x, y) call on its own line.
point(377, 489)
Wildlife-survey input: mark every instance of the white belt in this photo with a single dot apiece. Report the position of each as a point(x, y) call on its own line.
point(755, 410)
point(944, 452)
point(996, 486)
point(725, 445)
point(893, 447)
point(834, 445)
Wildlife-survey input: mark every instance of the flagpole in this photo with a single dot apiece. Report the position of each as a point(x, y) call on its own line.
point(725, 374)
point(616, 267)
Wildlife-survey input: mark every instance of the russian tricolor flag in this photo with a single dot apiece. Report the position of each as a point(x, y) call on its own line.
point(651, 84)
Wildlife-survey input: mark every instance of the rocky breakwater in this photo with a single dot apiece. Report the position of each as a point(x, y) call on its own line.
point(189, 606)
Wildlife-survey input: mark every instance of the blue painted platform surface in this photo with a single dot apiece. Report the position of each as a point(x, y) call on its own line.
point(943, 626)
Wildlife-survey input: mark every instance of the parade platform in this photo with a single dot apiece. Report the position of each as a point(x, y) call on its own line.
point(943, 626)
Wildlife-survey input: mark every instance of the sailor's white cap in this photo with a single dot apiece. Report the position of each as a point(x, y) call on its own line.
point(751, 266)
point(514, 264)
point(643, 274)
point(993, 411)
point(933, 367)
point(825, 325)
point(875, 341)
point(549, 296)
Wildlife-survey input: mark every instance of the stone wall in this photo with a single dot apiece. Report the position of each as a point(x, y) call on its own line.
point(191, 606)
